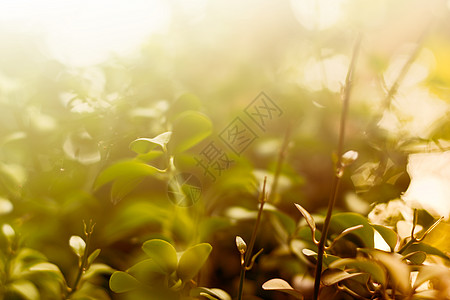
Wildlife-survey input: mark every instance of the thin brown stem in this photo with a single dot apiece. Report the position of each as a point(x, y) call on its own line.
point(339, 168)
point(405, 69)
point(248, 254)
point(279, 164)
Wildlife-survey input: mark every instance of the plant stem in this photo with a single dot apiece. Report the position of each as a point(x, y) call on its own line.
point(405, 69)
point(83, 265)
point(279, 163)
point(248, 254)
point(339, 168)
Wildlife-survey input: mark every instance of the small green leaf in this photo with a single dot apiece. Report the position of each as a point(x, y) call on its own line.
point(281, 285)
point(123, 186)
point(345, 232)
point(121, 282)
point(389, 235)
point(286, 221)
point(26, 289)
point(29, 257)
point(213, 294)
point(425, 248)
point(5, 206)
point(12, 177)
point(192, 260)
point(92, 257)
point(240, 213)
point(126, 174)
point(429, 272)
point(327, 258)
point(189, 129)
point(77, 244)
point(96, 269)
point(8, 232)
point(50, 269)
point(341, 221)
point(398, 270)
point(149, 272)
point(416, 258)
point(364, 265)
point(428, 294)
point(185, 102)
point(124, 169)
point(307, 216)
point(145, 145)
point(211, 225)
point(241, 245)
point(162, 253)
point(333, 276)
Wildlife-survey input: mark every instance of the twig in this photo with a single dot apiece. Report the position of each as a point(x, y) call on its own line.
point(339, 169)
point(248, 255)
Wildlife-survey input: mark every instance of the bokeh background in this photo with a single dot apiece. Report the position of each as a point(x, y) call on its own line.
point(80, 80)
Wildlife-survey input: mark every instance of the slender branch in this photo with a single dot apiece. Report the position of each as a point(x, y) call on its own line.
point(279, 163)
point(83, 265)
point(248, 254)
point(405, 69)
point(339, 168)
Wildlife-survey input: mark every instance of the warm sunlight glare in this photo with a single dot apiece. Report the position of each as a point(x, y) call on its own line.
point(82, 32)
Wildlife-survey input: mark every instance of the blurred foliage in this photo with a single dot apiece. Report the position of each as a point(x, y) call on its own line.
point(103, 143)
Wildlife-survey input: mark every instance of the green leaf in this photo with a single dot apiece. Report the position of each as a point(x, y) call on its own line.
point(123, 186)
point(429, 272)
point(240, 213)
point(287, 222)
point(389, 235)
point(345, 232)
point(145, 145)
point(50, 269)
point(211, 225)
point(341, 221)
point(8, 232)
point(416, 258)
point(12, 177)
point(241, 245)
point(149, 272)
point(185, 102)
point(77, 244)
point(364, 265)
point(124, 169)
point(192, 260)
point(333, 276)
point(425, 248)
point(5, 206)
point(121, 282)
point(126, 174)
point(327, 258)
point(29, 257)
point(92, 257)
point(132, 217)
point(428, 294)
point(398, 270)
point(307, 216)
point(162, 253)
point(96, 269)
point(280, 285)
point(213, 294)
point(189, 129)
point(25, 288)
